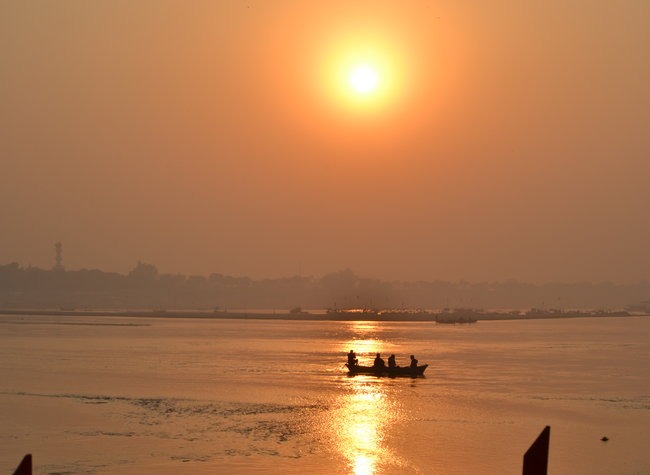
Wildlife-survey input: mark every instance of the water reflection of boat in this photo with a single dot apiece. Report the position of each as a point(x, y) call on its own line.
point(386, 371)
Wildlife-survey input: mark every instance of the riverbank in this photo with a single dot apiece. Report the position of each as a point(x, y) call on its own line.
point(439, 317)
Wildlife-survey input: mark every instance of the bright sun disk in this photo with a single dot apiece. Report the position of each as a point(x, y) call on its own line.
point(363, 79)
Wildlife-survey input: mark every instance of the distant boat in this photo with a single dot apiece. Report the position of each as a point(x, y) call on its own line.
point(643, 307)
point(386, 371)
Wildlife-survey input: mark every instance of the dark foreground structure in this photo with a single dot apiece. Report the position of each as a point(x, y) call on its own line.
point(25, 467)
point(536, 457)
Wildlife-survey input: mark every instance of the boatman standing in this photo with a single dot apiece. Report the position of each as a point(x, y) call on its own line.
point(352, 358)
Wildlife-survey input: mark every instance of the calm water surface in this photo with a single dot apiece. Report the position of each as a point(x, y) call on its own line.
point(134, 395)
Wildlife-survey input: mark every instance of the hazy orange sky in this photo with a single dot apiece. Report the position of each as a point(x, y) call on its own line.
point(512, 139)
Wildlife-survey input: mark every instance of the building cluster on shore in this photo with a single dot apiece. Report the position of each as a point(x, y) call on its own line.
point(145, 287)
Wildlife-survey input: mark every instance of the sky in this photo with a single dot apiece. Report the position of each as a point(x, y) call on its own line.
point(501, 140)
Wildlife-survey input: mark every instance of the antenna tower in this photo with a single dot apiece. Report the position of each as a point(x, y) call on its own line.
point(58, 247)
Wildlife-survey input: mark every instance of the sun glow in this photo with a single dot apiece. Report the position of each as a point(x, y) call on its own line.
point(363, 74)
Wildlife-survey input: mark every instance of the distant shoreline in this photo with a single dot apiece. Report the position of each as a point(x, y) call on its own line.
point(305, 316)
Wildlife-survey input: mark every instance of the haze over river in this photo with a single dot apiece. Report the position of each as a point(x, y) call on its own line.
point(113, 395)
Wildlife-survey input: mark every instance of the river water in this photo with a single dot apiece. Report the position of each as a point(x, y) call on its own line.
point(93, 395)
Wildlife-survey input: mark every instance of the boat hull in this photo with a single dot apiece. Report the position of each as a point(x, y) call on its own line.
point(398, 371)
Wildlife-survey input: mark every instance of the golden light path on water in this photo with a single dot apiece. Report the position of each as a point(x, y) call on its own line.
point(364, 413)
point(363, 417)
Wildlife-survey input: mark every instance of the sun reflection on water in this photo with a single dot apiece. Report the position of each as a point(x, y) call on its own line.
point(367, 341)
point(365, 347)
point(363, 465)
point(362, 420)
point(364, 413)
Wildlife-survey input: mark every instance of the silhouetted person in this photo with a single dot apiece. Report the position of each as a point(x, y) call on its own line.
point(379, 362)
point(414, 362)
point(352, 358)
point(391, 361)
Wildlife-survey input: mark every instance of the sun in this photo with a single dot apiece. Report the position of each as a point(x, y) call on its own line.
point(362, 75)
point(363, 79)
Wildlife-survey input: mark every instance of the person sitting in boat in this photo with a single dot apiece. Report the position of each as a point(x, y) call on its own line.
point(391, 361)
point(352, 358)
point(414, 362)
point(379, 362)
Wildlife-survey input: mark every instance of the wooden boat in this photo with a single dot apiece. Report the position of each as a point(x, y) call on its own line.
point(386, 371)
